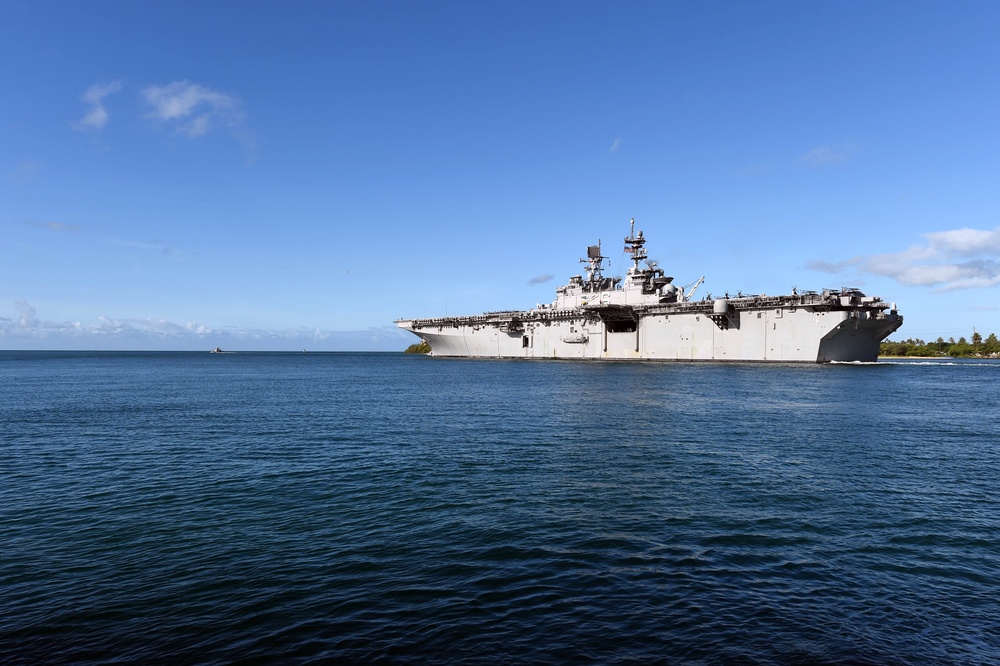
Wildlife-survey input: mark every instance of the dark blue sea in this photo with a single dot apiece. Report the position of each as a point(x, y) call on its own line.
point(305, 508)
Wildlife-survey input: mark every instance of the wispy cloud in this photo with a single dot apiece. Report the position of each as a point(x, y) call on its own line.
point(192, 109)
point(24, 171)
point(29, 324)
point(26, 330)
point(823, 156)
point(541, 279)
point(615, 145)
point(755, 170)
point(50, 225)
point(28, 318)
point(96, 116)
point(946, 260)
point(183, 107)
point(154, 245)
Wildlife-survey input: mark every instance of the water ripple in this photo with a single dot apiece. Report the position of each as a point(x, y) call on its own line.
point(301, 508)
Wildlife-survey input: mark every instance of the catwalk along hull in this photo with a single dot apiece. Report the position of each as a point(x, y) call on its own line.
point(648, 318)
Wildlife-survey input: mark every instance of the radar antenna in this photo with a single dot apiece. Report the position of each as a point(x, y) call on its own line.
point(634, 246)
point(594, 261)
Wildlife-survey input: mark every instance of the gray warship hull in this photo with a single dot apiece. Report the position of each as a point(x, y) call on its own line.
point(647, 318)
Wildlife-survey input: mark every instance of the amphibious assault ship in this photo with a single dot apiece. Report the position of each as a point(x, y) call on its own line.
point(645, 316)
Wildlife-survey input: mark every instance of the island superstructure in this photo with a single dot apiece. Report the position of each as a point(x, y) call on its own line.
point(645, 316)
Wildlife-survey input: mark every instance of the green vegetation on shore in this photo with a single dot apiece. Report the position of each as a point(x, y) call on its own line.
point(418, 348)
point(977, 347)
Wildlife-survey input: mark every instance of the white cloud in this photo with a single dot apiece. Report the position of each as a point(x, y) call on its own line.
point(28, 318)
point(192, 109)
point(29, 324)
point(955, 259)
point(97, 116)
point(615, 145)
point(27, 331)
point(968, 242)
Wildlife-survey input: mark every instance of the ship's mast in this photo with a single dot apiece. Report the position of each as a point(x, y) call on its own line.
point(594, 262)
point(634, 246)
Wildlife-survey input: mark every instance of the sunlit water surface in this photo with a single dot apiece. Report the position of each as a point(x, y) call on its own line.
point(294, 508)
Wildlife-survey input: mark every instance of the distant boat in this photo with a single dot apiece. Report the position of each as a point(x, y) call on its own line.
point(217, 350)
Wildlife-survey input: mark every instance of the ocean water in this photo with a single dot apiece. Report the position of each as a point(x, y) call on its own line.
point(303, 508)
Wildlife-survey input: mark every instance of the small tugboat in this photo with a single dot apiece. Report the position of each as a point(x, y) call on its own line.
point(217, 350)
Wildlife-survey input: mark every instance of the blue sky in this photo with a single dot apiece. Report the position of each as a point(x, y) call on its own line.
point(288, 175)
